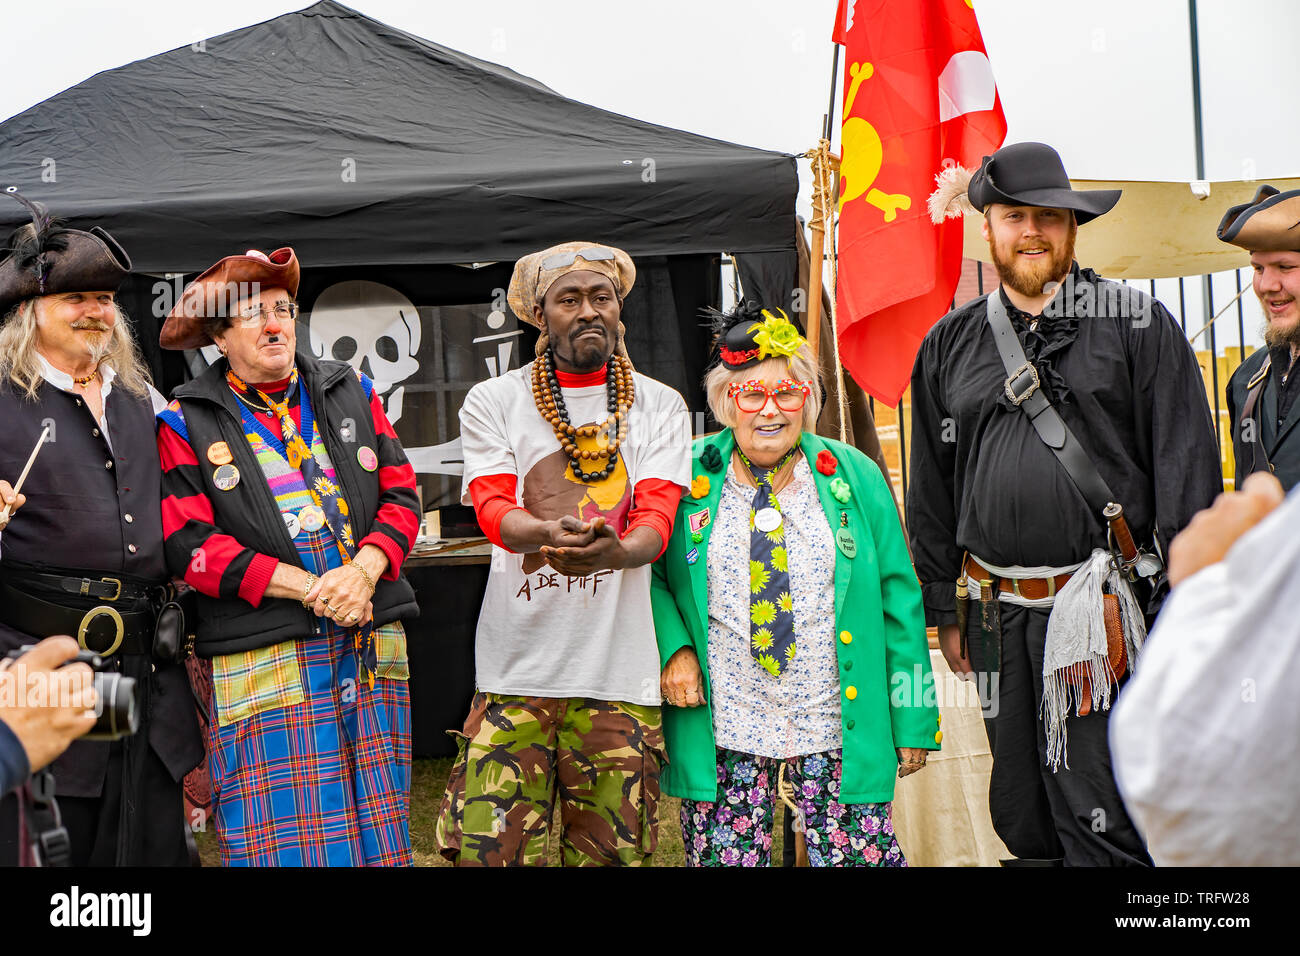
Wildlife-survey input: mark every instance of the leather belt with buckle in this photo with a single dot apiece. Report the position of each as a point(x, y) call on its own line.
point(90, 616)
point(1031, 589)
point(103, 629)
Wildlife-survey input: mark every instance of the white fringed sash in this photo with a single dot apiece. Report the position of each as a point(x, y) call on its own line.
point(1076, 645)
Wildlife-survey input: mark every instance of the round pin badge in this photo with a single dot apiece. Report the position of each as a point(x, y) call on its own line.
point(844, 541)
point(219, 453)
point(311, 518)
point(767, 520)
point(226, 477)
point(367, 458)
point(291, 523)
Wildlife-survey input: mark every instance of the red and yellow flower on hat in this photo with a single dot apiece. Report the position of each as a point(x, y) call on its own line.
point(699, 486)
point(826, 462)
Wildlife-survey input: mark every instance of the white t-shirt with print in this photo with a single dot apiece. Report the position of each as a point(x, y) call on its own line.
point(542, 633)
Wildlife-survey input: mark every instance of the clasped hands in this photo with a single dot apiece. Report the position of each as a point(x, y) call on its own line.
point(580, 547)
point(342, 594)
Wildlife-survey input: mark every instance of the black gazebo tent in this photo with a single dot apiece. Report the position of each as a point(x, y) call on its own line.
point(382, 156)
point(360, 144)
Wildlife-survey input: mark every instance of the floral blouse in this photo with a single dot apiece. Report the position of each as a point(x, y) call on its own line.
point(753, 711)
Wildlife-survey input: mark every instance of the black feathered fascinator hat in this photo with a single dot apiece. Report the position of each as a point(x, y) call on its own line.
point(750, 334)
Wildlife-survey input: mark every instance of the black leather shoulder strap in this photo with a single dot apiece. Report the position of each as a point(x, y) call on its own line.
point(1254, 390)
point(1024, 389)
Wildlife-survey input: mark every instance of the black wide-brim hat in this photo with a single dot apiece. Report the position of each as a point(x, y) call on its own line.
point(1032, 174)
point(52, 260)
point(1268, 223)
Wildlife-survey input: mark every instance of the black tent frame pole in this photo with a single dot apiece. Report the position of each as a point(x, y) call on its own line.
point(828, 123)
point(1207, 294)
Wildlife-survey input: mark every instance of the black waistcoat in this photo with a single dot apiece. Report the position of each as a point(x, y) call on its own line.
point(88, 506)
point(93, 508)
point(1264, 444)
point(249, 513)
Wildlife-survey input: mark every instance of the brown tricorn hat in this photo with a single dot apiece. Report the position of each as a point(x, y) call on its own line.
point(1268, 223)
point(46, 258)
point(215, 293)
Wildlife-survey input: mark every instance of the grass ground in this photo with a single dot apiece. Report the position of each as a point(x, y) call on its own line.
point(429, 779)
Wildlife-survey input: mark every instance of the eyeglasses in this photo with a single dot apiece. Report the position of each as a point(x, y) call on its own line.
point(285, 312)
point(752, 396)
point(561, 259)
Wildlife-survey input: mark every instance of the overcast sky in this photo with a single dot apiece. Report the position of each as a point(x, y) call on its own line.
point(1107, 82)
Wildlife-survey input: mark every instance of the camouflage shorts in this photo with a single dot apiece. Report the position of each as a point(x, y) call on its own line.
point(519, 756)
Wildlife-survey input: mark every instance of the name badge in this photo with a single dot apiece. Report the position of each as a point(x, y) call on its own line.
point(767, 520)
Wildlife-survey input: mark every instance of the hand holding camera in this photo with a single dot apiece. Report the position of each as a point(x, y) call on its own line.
point(48, 697)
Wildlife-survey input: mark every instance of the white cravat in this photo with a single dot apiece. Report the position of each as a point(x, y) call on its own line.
point(63, 381)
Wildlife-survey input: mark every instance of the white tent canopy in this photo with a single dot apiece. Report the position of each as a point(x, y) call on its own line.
point(1156, 231)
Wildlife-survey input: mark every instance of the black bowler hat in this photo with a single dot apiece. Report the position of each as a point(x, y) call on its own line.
point(1031, 174)
point(48, 259)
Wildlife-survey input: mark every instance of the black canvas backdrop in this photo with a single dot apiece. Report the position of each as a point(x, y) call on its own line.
point(357, 143)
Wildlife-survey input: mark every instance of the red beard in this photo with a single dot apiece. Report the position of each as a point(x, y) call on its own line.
point(1031, 277)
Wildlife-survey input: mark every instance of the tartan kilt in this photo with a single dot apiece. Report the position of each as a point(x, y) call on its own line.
point(322, 782)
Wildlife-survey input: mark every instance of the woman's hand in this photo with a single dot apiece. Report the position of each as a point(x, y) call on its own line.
point(342, 595)
point(682, 681)
point(910, 760)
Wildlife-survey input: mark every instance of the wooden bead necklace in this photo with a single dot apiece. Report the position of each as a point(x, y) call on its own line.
point(621, 392)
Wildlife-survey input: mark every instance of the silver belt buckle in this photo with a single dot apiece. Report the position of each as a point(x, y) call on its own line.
point(1009, 388)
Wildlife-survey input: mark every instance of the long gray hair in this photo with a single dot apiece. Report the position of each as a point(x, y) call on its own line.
point(20, 364)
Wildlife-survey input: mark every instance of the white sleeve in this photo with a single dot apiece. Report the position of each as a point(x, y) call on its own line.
point(665, 429)
point(1204, 737)
point(484, 438)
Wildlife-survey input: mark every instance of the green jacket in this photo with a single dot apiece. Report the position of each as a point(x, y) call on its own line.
point(888, 698)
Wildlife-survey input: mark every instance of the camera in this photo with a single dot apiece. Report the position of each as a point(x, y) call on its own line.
point(116, 715)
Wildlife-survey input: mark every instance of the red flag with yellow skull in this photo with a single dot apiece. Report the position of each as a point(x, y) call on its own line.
point(918, 96)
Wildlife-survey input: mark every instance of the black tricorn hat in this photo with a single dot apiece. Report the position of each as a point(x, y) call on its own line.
point(1032, 174)
point(48, 259)
point(1268, 223)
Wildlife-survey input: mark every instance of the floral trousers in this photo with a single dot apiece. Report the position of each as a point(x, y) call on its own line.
point(736, 829)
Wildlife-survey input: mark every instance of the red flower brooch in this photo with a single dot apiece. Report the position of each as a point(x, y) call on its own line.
point(826, 463)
